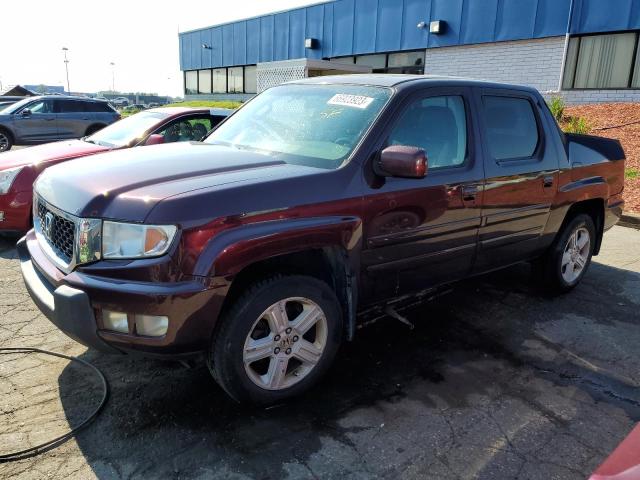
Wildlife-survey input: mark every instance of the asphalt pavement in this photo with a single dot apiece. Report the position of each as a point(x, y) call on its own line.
point(496, 381)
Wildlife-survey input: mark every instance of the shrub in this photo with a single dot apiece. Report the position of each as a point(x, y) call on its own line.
point(631, 174)
point(556, 105)
point(577, 125)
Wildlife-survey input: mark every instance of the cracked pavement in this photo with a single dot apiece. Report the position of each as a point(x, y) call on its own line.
point(496, 381)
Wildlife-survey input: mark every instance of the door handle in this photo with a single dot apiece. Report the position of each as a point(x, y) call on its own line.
point(547, 181)
point(469, 193)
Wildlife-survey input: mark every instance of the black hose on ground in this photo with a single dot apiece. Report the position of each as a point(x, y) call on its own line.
point(51, 444)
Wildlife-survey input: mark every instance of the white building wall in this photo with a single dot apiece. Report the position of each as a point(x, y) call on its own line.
point(580, 97)
point(536, 63)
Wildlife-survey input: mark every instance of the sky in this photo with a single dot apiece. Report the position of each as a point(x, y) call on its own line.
point(139, 36)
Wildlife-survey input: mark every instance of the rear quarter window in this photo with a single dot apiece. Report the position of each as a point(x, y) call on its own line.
point(512, 129)
point(97, 107)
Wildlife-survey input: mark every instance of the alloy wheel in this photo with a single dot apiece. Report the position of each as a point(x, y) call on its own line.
point(576, 255)
point(285, 343)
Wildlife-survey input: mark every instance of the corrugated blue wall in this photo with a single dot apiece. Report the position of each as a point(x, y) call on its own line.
point(354, 27)
point(593, 16)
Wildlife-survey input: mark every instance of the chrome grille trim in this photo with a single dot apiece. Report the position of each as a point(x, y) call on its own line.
point(58, 230)
point(63, 254)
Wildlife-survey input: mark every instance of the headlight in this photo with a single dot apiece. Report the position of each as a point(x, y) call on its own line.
point(130, 240)
point(6, 179)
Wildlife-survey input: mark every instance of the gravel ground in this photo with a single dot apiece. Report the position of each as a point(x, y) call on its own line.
point(620, 121)
point(496, 381)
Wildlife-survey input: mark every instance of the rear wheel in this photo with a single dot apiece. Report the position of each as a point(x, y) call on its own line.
point(6, 141)
point(568, 259)
point(277, 339)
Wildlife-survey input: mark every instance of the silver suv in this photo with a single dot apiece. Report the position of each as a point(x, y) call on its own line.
point(45, 119)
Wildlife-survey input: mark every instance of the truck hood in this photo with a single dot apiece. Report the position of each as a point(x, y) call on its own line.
point(128, 184)
point(47, 153)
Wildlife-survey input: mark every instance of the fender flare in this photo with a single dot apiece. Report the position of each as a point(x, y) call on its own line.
point(233, 250)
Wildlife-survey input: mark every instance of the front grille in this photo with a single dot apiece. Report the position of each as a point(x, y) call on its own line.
point(58, 231)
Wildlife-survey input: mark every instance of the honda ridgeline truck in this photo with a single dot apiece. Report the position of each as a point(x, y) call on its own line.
point(257, 248)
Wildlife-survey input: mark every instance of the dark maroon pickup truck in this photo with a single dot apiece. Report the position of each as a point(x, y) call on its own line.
point(258, 248)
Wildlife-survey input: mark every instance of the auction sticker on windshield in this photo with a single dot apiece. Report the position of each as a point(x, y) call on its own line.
point(356, 101)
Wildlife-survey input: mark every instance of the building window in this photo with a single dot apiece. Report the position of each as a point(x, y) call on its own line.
point(342, 59)
point(406, 62)
point(219, 80)
point(191, 82)
point(403, 62)
point(602, 62)
point(250, 79)
point(204, 81)
point(377, 62)
point(235, 80)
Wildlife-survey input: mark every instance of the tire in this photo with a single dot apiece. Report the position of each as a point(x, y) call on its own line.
point(6, 140)
point(252, 339)
point(565, 264)
point(93, 129)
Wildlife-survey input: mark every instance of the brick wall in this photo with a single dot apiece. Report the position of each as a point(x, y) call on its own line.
point(578, 97)
point(536, 63)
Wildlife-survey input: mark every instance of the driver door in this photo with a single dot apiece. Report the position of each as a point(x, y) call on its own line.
point(36, 122)
point(423, 232)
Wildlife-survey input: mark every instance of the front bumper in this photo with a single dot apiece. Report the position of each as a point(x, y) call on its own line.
point(16, 212)
point(74, 302)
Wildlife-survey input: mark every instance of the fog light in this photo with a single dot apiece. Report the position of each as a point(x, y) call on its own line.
point(116, 321)
point(151, 325)
point(1, 216)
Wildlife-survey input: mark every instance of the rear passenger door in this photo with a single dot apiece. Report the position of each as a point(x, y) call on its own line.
point(73, 120)
point(422, 232)
point(522, 176)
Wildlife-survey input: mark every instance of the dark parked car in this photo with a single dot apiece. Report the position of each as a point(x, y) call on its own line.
point(19, 169)
point(315, 201)
point(135, 106)
point(37, 120)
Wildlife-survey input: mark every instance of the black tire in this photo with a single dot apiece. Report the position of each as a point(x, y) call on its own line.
point(93, 129)
point(550, 267)
point(225, 359)
point(6, 140)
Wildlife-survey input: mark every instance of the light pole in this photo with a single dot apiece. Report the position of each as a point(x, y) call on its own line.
point(66, 66)
point(113, 77)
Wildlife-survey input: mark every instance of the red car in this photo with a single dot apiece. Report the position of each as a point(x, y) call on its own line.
point(20, 168)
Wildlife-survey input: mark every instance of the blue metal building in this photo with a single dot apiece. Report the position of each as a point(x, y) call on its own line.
point(584, 49)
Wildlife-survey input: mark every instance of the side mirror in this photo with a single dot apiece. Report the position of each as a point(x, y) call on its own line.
point(154, 139)
point(26, 112)
point(403, 162)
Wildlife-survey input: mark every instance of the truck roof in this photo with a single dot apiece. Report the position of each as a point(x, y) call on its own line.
point(394, 80)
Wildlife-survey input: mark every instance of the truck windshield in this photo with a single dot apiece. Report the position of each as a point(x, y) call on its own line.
point(312, 125)
point(125, 131)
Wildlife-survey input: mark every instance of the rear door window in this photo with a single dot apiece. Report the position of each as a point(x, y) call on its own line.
point(512, 128)
point(68, 106)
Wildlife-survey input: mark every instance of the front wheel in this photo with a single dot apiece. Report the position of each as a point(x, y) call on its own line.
point(567, 261)
point(277, 340)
